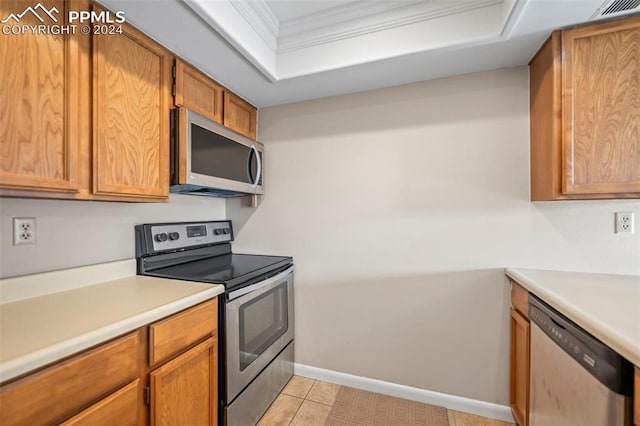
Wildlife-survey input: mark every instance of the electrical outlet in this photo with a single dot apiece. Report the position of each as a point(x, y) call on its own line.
point(624, 222)
point(24, 230)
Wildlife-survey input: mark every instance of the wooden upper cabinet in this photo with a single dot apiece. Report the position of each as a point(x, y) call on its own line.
point(585, 113)
point(197, 92)
point(240, 115)
point(131, 104)
point(201, 94)
point(39, 83)
point(601, 108)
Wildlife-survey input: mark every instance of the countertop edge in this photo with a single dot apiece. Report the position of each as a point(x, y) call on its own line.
point(51, 354)
point(607, 335)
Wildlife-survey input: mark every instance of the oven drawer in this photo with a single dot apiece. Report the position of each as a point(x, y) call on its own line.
point(173, 335)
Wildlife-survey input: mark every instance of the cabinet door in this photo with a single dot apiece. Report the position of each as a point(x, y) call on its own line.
point(519, 394)
point(198, 92)
point(120, 408)
point(239, 115)
point(601, 108)
point(39, 83)
point(131, 108)
point(184, 391)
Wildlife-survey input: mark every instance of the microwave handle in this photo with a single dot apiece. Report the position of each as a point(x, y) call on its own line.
point(259, 172)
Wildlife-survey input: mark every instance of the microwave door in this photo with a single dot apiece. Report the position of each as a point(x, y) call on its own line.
point(217, 157)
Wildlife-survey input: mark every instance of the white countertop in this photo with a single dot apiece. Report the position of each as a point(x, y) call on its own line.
point(605, 305)
point(39, 329)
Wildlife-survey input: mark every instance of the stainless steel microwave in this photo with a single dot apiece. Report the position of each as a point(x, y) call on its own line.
point(210, 159)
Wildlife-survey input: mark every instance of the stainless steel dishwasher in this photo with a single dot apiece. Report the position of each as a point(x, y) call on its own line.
point(576, 380)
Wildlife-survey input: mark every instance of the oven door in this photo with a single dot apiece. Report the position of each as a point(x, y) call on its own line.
point(259, 324)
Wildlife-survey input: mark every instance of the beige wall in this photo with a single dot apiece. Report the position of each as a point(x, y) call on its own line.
point(401, 206)
point(75, 233)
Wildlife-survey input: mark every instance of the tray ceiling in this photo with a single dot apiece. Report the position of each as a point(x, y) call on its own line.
point(279, 51)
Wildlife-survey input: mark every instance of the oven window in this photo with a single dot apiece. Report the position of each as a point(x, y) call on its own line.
point(262, 321)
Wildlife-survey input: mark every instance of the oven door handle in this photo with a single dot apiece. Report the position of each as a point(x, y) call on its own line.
point(245, 290)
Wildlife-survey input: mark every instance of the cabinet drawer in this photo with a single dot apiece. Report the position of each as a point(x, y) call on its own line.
point(120, 408)
point(55, 392)
point(520, 299)
point(177, 332)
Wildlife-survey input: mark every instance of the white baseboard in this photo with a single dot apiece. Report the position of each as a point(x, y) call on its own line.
point(458, 403)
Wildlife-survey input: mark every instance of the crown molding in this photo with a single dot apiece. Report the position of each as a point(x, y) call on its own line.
point(259, 17)
point(364, 17)
point(283, 50)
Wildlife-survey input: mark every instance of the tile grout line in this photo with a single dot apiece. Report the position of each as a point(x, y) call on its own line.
point(296, 413)
point(303, 400)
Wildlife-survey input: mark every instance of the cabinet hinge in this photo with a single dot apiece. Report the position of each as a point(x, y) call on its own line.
point(173, 71)
point(173, 90)
point(147, 395)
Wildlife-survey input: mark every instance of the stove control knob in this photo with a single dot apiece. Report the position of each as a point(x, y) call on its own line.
point(226, 230)
point(218, 231)
point(174, 236)
point(161, 237)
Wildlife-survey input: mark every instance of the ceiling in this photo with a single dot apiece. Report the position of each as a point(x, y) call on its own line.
point(279, 51)
point(287, 10)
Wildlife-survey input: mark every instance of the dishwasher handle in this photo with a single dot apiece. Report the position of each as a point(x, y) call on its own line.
point(602, 362)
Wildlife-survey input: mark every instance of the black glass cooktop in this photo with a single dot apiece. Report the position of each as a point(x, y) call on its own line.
point(232, 270)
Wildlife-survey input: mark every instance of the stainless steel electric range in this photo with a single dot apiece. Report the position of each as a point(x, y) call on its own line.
point(255, 317)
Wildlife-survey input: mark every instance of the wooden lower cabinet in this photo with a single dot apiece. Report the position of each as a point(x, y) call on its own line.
point(520, 350)
point(184, 390)
point(519, 386)
point(106, 385)
point(636, 401)
point(58, 391)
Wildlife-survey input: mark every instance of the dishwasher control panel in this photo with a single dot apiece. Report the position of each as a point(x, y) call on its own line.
point(563, 337)
point(600, 360)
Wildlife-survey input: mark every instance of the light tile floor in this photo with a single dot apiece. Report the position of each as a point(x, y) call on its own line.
point(307, 402)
